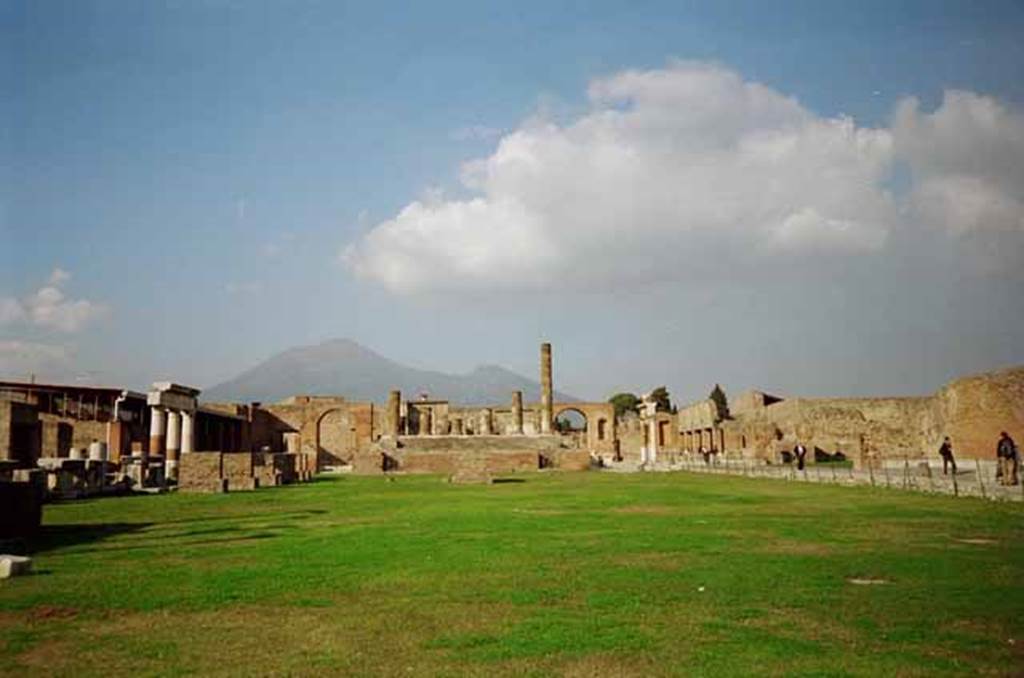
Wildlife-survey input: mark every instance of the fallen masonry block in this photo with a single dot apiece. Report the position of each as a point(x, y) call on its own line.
point(14, 566)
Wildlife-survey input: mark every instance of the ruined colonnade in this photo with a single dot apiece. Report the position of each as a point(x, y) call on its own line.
point(172, 423)
point(482, 422)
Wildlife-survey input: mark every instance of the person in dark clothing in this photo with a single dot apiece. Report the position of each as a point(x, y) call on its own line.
point(1006, 452)
point(801, 454)
point(946, 452)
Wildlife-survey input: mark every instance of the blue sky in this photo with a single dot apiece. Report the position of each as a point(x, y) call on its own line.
point(198, 168)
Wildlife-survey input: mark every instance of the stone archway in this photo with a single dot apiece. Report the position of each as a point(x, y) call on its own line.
point(334, 437)
point(601, 434)
point(573, 422)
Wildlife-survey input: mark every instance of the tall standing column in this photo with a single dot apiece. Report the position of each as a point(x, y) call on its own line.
point(545, 388)
point(173, 444)
point(393, 415)
point(188, 432)
point(157, 430)
point(517, 413)
point(426, 427)
point(652, 449)
point(485, 422)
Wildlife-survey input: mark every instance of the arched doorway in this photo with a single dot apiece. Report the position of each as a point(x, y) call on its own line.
point(572, 422)
point(335, 438)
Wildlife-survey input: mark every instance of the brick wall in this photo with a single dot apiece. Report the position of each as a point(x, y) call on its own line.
point(200, 472)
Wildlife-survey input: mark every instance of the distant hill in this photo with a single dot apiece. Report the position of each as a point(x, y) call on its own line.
point(344, 367)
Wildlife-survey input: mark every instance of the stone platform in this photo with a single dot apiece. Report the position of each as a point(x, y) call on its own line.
point(477, 455)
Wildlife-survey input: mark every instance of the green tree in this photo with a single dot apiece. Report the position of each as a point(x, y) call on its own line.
point(624, 402)
point(661, 398)
point(721, 402)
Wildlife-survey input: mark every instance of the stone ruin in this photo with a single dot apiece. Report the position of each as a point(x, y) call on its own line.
point(72, 441)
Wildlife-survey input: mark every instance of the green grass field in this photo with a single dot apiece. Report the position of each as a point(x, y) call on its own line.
point(577, 574)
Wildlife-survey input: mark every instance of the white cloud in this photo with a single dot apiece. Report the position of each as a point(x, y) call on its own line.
point(667, 169)
point(59, 276)
point(11, 311)
point(23, 356)
point(49, 308)
point(693, 169)
point(967, 161)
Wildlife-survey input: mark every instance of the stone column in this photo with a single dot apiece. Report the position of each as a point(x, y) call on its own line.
point(457, 428)
point(188, 432)
point(485, 422)
point(157, 431)
point(545, 388)
point(652, 452)
point(392, 415)
point(517, 413)
point(173, 444)
point(116, 431)
point(425, 421)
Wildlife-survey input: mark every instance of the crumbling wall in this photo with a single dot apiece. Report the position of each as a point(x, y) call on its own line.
point(233, 471)
point(702, 414)
point(200, 472)
point(973, 410)
point(342, 428)
point(20, 432)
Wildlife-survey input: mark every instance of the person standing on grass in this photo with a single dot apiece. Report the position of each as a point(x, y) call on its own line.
point(946, 452)
point(801, 454)
point(1006, 451)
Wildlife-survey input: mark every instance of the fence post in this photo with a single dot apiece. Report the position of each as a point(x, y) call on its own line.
point(931, 481)
point(906, 473)
point(981, 482)
point(885, 469)
point(871, 471)
point(956, 487)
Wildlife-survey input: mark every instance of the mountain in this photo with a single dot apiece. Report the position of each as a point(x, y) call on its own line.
point(344, 367)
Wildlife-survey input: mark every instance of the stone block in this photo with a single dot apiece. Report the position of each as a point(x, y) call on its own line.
point(14, 566)
point(241, 484)
point(21, 509)
point(200, 472)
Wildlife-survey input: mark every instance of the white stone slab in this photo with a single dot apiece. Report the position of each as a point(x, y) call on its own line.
point(14, 566)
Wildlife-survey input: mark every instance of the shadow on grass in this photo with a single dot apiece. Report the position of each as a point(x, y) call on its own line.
point(52, 537)
point(68, 536)
point(503, 481)
point(245, 517)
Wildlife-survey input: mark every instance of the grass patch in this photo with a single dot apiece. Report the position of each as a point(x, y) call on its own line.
point(573, 574)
